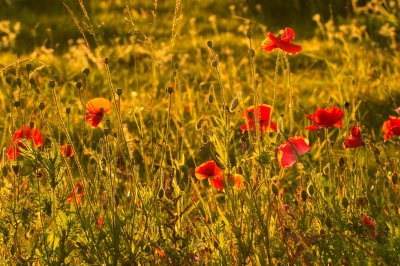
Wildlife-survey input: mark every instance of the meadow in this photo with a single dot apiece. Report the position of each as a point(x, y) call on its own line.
point(199, 132)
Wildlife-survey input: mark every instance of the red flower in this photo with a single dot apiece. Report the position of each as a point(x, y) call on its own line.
point(24, 133)
point(99, 222)
point(324, 118)
point(208, 169)
point(238, 181)
point(370, 224)
point(289, 151)
point(272, 42)
point(263, 113)
point(95, 110)
point(355, 139)
point(217, 182)
point(67, 150)
point(78, 191)
point(391, 128)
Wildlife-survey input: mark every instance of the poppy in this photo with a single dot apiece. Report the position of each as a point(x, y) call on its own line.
point(208, 169)
point(78, 191)
point(391, 128)
point(28, 133)
point(99, 222)
point(238, 181)
point(263, 113)
point(324, 118)
point(95, 110)
point(355, 139)
point(217, 182)
point(370, 224)
point(272, 42)
point(67, 150)
point(289, 151)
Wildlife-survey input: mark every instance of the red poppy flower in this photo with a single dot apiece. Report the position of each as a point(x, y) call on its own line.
point(67, 150)
point(290, 150)
point(272, 42)
point(238, 181)
point(24, 133)
point(208, 169)
point(95, 110)
point(355, 139)
point(324, 118)
point(99, 222)
point(217, 182)
point(78, 191)
point(263, 113)
point(370, 224)
point(391, 128)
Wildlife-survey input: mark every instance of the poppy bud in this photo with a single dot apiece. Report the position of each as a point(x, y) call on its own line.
point(304, 195)
point(106, 60)
point(28, 67)
point(251, 53)
point(395, 179)
point(210, 98)
point(346, 105)
point(210, 44)
point(15, 169)
point(119, 91)
point(52, 84)
point(68, 110)
point(86, 71)
point(199, 123)
point(4, 171)
point(18, 82)
point(108, 122)
point(41, 106)
point(341, 162)
point(31, 124)
point(214, 62)
point(9, 80)
point(329, 222)
point(345, 202)
point(310, 189)
point(170, 89)
point(17, 104)
point(204, 139)
point(234, 104)
point(176, 65)
point(275, 189)
point(78, 85)
point(249, 34)
point(32, 82)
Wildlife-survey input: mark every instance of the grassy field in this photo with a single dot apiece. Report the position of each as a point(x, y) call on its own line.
point(167, 133)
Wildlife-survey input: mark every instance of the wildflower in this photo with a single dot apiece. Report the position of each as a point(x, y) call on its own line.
point(238, 181)
point(95, 110)
point(28, 133)
point(263, 113)
point(217, 182)
point(272, 42)
point(211, 170)
point(391, 128)
point(99, 222)
point(208, 169)
point(78, 192)
point(289, 151)
point(370, 224)
point(67, 150)
point(160, 252)
point(355, 139)
point(324, 118)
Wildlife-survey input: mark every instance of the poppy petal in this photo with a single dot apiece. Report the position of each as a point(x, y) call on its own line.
point(289, 47)
point(289, 151)
point(288, 35)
